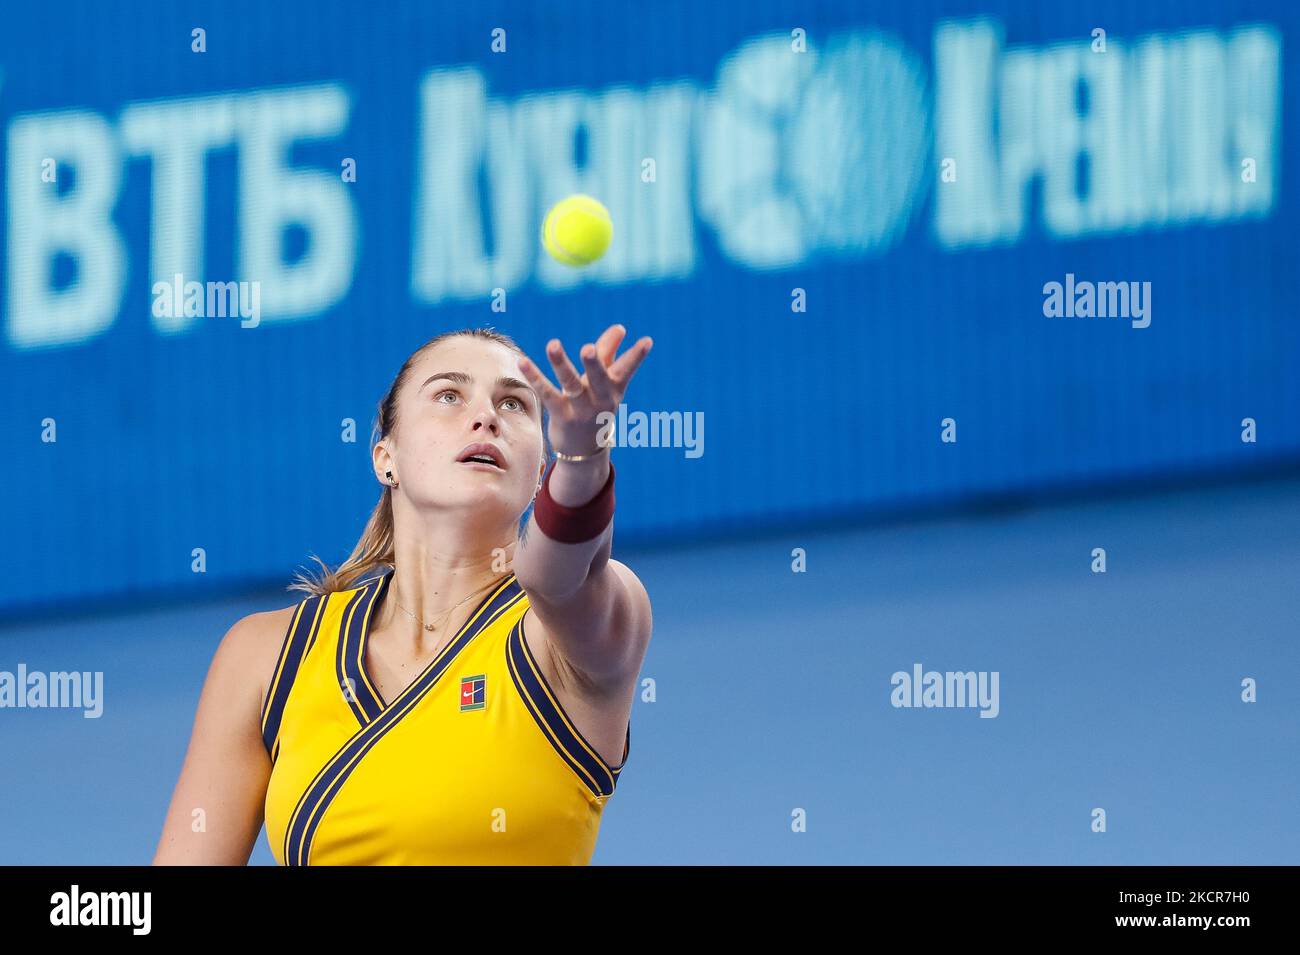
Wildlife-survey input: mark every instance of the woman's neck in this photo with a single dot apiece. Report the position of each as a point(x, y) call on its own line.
point(435, 589)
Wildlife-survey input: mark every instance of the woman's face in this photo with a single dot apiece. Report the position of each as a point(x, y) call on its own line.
point(462, 393)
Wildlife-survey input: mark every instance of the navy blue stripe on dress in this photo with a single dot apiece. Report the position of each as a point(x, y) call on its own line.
point(341, 651)
point(354, 682)
point(285, 643)
point(297, 640)
point(316, 800)
point(545, 708)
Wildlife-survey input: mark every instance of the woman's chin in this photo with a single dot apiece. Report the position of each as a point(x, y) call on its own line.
point(480, 489)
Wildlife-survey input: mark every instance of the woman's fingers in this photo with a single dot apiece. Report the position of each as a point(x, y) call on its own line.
point(608, 342)
point(602, 389)
point(570, 380)
point(604, 378)
point(597, 367)
point(621, 371)
point(547, 392)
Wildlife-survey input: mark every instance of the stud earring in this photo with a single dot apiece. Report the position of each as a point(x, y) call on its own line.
point(391, 482)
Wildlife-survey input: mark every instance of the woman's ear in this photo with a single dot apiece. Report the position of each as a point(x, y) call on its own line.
point(383, 464)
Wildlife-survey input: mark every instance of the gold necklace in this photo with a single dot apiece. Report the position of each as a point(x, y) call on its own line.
point(430, 626)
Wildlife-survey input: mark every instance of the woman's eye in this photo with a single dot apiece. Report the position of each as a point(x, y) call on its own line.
point(515, 404)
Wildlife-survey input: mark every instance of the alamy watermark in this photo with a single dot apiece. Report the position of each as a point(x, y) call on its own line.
point(178, 298)
point(57, 690)
point(658, 429)
point(931, 688)
point(132, 909)
point(1098, 300)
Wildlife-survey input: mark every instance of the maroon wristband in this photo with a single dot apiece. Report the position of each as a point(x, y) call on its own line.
point(574, 525)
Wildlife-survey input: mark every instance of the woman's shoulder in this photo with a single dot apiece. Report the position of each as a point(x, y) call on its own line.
point(250, 634)
point(251, 647)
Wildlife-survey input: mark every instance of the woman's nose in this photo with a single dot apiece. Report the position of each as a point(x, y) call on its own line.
point(486, 417)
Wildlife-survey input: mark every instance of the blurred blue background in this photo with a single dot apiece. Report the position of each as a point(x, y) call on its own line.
point(839, 223)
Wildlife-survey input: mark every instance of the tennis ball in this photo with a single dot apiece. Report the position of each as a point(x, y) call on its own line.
point(577, 230)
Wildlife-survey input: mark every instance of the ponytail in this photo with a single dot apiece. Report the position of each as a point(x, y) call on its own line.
point(373, 551)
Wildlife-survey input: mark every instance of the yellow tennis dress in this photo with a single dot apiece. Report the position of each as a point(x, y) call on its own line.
point(475, 763)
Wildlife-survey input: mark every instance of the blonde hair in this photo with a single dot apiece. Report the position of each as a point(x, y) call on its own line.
point(375, 548)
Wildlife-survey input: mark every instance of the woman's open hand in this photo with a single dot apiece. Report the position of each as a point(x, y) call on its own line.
point(575, 410)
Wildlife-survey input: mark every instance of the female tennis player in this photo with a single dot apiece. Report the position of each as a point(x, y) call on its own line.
point(458, 691)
